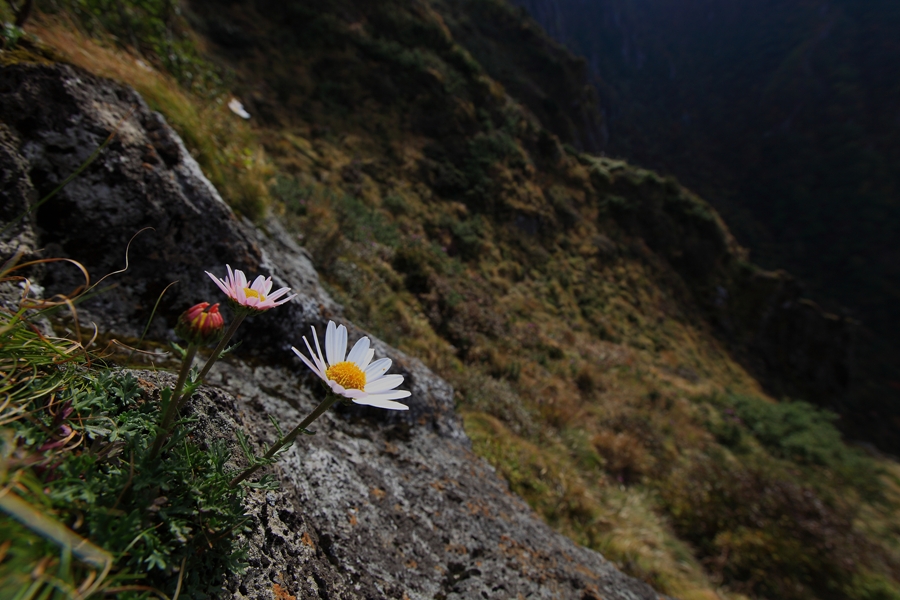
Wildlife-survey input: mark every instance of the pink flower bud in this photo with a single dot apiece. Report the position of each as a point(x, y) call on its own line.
point(199, 326)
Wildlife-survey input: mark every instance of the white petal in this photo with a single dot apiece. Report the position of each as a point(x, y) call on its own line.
point(379, 402)
point(369, 356)
point(230, 274)
point(320, 364)
point(308, 363)
point(330, 336)
point(377, 369)
point(360, 349)
point(392, 395)
point(318, 349)
point(388, 382)
point(340, 344)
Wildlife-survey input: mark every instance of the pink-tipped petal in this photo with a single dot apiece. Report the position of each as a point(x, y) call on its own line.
point(288, 299)
point(278, 293)
point(259, 284)
point(267, 286)
point(240, 280)
point(219, 283)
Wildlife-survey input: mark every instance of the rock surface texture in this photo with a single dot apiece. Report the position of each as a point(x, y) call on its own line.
point(376, 505)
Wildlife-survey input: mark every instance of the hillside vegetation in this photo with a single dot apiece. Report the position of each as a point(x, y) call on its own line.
point(782, 115)
point(599, 323)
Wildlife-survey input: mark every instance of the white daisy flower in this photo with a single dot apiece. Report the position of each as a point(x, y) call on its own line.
point(354, 376)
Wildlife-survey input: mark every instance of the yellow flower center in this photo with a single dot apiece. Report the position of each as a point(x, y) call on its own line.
point(348, 375)
point(253, 293)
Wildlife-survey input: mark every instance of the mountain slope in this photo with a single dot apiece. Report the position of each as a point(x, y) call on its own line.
point(782, 115)
point(377, 504)
point(600, 325)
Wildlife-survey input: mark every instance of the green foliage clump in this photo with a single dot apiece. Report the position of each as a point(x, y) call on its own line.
point(798, 432)
point(762, 532)
point(76, 462)
point(9, 34)
point(395, 204)
point(469, 237)
point(362, 223)
point(870, 586)
point(292, 194)
point(484, 151)
point(777, 517)
point(154, 511)
point(794, 430)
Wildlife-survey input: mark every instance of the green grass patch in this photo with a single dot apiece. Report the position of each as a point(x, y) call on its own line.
point(84, 506)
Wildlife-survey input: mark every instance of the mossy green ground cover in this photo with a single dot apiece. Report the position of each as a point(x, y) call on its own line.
point(450, 224)
point(87, 509)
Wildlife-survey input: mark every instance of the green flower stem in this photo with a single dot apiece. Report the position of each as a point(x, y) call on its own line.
point(289, 438)
point(217, 352)
point(166, 419)
point(177, 403)
point(238, 319)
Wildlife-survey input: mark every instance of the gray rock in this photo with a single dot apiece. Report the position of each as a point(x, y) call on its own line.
point(377, 504)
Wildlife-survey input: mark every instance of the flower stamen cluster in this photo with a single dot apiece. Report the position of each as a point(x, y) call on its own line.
point(348, 375)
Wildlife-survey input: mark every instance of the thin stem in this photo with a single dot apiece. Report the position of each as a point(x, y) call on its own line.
point(178, 402)
point(189, 355)
point(225, 338)
point(179, 386)
point(289, 438)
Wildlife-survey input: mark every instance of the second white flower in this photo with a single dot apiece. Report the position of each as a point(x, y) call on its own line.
point(353, 376)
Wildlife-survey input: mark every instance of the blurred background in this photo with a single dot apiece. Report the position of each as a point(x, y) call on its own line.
point(785, 116)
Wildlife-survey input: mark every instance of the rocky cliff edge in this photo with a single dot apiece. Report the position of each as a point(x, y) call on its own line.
point(376, 505)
